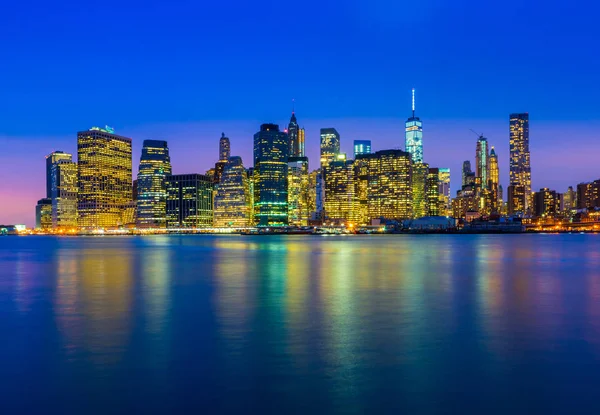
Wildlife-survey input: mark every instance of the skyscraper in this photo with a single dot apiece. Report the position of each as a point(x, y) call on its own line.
point(104, 177)
point(296, 137)
point(224, 148)
point(481, 161)
point(271, 149)
point(520, 165)
point(362, 147)
point(420, 172)
point(43, 214)
point(444, 191)
point(546, 203)
point(51, 159)
point(330, 145)
point(155, 166)
point(413, 135)
point(298, 191)
point(383, 186)
point(466, 172)
point(64, 194)
point(189, 201)
point(232, 204)
point(570, 199)
point(339, 190)
point(494, 181)
point(434, 204)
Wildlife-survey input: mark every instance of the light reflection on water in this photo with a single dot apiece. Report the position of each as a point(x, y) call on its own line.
point(349, 324)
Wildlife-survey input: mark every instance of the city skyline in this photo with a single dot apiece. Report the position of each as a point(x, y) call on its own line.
point(544, 173)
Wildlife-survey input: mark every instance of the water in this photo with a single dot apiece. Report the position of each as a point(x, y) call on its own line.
point(262, 324)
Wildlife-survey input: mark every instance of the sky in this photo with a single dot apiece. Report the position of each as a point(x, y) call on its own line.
point(186, 71)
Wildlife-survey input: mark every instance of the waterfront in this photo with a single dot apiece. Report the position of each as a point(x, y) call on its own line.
point(353, 324)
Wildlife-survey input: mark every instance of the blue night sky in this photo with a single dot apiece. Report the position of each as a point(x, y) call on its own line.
point(185, 71)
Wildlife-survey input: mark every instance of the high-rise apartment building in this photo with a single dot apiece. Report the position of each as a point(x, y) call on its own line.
point(299, 209)
point(444, 191)
point(383, 186)
point(104, 178)
point(271, 149)
point(339, 190)
point(519, 196)
point(434, 203)
point(413, 135)
point(51, 159)
point(189, 201)
point(588, 195)
point(362, 147)
point(546, 203)
point(155, 167)
point(232, 203)
point(330, 145)
point(64, 194)
point(420, 172)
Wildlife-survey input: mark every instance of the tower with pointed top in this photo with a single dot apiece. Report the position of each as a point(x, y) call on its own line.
point(494, 182)
point(296, 137)
point(413, 135)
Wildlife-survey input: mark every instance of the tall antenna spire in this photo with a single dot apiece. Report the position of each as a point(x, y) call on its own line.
point(413, 102)
point(293, 105)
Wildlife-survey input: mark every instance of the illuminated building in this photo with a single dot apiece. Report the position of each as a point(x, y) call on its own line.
point(224, 153)
point(250, 174)
point(383, 186)
point(270, 176)
point(339, 190)
point(43, 214)
point(466, 173)
point(189, 201)
point(588, 195)
point(104, 177)
point(546, 203)
point(493, 182)
point(330, 145)
point(420, 172)
point(520, 165)
point(296, 137)
point(232, 204)
point(413, 135)
point(317, 192)
point(516, 200)
point(465, 201)
point(64, 194)
point(155, 166)
point(481, 161)
point(362, 147)
point(570, 199)
point(51, 159)
point(432, 187)
point(312, 193)
point(224, 148)
point(298, 191)
point(128, 217)
point(444, 192)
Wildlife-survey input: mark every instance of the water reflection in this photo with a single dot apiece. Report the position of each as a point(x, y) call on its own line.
point(357, 324)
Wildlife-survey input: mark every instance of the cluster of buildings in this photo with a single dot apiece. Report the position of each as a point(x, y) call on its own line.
point(98, 191)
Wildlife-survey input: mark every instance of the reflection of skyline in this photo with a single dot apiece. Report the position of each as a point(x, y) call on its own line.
point(93, 300)
point(342, 320)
